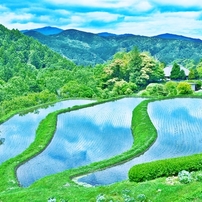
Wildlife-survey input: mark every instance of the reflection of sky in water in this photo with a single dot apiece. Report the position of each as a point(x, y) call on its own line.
point(19, 131)
point(178, 122)
point(82, 137)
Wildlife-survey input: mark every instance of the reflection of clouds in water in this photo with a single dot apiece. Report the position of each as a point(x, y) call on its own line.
point(19, 131)
point(86, 135)
point(117, 113)
point(193, 106)
point(176, 115)
point(179, 134)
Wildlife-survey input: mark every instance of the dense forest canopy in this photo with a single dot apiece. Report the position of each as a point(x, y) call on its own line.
point(31, 73)
point(89, 49)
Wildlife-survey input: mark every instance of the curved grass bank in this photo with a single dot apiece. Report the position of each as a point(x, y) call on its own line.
point(142, 142)
point(62, 188)
point(166, 167)
point(44, 135)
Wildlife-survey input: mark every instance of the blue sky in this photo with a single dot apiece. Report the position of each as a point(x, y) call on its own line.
point(141, 17)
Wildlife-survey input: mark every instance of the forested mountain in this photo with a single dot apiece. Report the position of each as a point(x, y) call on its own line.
point(45, 30)
point(80, 47)
point(31, 73)
point(25, 69)
point(90, 49)
point(180, 37)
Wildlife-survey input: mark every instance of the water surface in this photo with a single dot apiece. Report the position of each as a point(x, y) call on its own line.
point(178, 123)
point(82, 137)
point(19, 131)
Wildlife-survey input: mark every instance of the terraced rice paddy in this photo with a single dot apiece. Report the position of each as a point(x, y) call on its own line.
point(100, 132)
point(82, 137)
point(178, 123)
point(19, 131)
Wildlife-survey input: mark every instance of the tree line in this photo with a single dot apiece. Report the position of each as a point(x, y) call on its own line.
point(31, 74)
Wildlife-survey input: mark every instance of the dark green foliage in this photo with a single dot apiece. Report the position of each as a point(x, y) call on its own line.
point(182, 75)
point(175, 72)
point(135, 63)
point(156, 90)
point(184, 88)
point(193, 74)
point(90, 49)
point(171, 88)
point(165, 168)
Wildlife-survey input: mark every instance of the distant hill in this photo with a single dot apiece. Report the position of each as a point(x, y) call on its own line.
point(85, 48)
point(178, 37)
point(45, 30)
point(106, 34)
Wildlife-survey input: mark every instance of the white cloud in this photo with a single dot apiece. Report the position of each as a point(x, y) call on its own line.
point(143, 6)
point(143, 17)
point(3, 8)
point(183, 3)
point(9, 19)
point(182, 23)
point(99, 3)
point(104, 16)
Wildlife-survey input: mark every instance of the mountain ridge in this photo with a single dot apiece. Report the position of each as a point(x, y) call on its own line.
point(86, 48)
point(48, 30)
point(175, 36)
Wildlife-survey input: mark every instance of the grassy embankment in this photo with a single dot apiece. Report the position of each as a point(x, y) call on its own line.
point(61, 187)
point(44, 135)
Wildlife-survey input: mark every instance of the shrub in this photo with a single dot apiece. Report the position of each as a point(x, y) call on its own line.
point(199, 177)
point(184, 177)
point(100, 198)
point(141, 197)
point(171, 88)
point(52, 199)
point(164, 168)
point(184, 88)
point(156, 89)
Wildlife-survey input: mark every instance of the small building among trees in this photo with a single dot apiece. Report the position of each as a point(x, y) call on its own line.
point(176, 72)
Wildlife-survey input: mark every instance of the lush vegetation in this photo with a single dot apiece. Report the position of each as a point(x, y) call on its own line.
point(171, 88)
point(60, 186)
point(164, 168)
point(90, 49)
point(167, 167)
point(177, 73)
point(46, 131)
point(32, 75)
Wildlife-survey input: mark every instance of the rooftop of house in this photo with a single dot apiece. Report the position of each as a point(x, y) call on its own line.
point(167, 70)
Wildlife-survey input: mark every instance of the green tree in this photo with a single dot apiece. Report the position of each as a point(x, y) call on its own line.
point(182, 75)
point(171, 88)
point(175, 72)
point(152, 70)
point(135, 67)
point(184, 88)
point(196, 74)
point(156, 89)
point(191, 75)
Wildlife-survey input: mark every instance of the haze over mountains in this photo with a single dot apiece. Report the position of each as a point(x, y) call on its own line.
point(85, 48)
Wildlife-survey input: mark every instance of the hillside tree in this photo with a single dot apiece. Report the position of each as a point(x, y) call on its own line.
point(175, 72)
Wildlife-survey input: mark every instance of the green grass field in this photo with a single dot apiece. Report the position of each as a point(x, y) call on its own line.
point(60, 186)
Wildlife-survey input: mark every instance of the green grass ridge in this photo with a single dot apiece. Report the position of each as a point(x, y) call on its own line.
point(62, 187)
